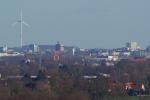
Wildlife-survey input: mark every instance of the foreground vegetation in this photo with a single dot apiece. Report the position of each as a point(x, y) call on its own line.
point(66, 81)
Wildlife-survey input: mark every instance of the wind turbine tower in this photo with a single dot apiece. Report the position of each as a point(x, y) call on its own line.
point(21, 22)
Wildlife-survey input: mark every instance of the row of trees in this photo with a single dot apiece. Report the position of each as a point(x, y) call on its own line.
point(66, 82)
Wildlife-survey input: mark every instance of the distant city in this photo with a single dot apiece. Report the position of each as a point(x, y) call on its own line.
point(75, 50)
point(131, 50)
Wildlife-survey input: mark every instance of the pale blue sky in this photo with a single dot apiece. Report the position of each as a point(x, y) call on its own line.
point(83, 23)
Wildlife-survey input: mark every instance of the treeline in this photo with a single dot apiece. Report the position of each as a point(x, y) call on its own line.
point(66, 81)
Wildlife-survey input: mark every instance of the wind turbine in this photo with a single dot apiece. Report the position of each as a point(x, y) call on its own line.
point(21, 22)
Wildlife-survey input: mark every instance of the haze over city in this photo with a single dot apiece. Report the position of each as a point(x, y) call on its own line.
point(74, 50)
point(83, 23)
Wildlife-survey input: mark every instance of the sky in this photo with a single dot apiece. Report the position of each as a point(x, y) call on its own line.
point(82, 23)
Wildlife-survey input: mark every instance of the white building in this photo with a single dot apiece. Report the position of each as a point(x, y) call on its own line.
point(59, 47)
point(104, 54)
point(132, 46)
point(126, 53)
point(114, 53)
point(11, 54)
point(113, 58)
point(3, 49)
point(33, 48)
point(73, 51)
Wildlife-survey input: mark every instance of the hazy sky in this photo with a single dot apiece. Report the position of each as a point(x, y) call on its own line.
point(83, 23)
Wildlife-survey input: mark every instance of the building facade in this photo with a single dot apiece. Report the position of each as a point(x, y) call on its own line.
point(132, 46)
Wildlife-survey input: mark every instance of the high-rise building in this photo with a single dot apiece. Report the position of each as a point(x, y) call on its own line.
point(132, 46)
point(34, 48)
point(3, 49)
point(56, 56)
point(148, 49)
point(59, 47)
point(73, 51)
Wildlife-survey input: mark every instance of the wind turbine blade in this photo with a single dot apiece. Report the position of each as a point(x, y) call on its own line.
point(26, 24)
point(14, 24)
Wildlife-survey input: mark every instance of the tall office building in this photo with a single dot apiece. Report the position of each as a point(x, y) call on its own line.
point(73, 51)
point(59, 47)
point(148, 48)
point(34, 48)
point(3, 49)
point(132, 46)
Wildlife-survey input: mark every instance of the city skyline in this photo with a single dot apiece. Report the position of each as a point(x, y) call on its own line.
point(87, 24)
